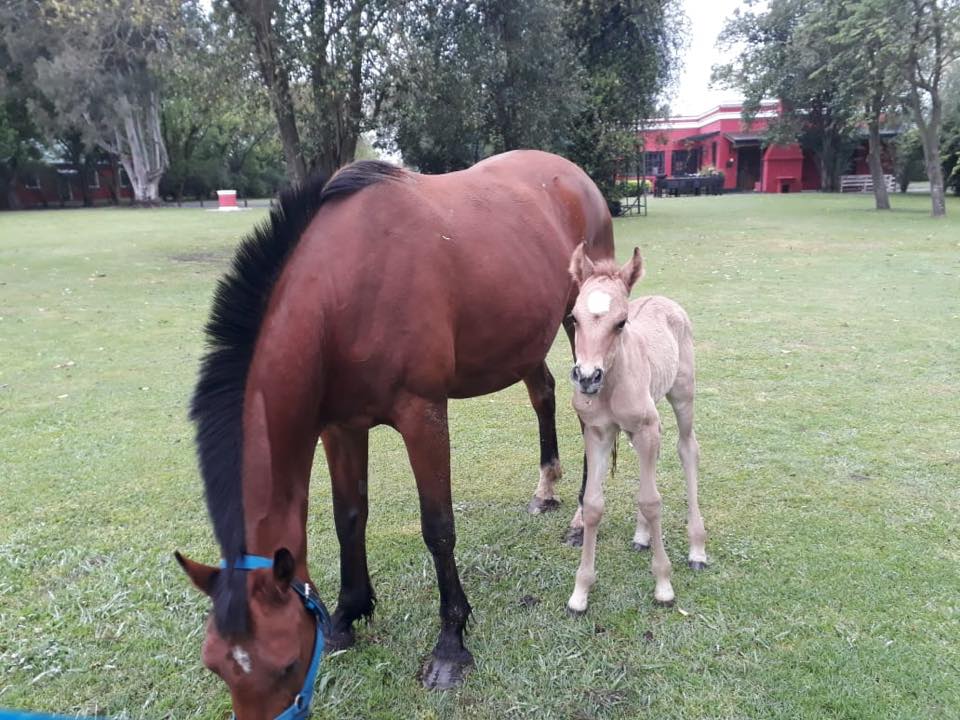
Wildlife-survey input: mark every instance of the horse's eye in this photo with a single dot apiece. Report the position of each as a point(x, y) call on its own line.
point(288, 670)
point(620, 325)
point(572, 319)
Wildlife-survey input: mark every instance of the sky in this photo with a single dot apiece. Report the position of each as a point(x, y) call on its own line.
point(693, 94)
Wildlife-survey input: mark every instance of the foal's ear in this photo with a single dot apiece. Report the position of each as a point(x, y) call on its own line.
point(283, 568)
point(632, 270)
point(581, 267)
point(202, 576)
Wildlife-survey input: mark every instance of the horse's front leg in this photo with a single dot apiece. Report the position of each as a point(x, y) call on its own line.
point(646, 443)
point(541, 388)
point(598, 442)
point(346, 452)
point(423, 425)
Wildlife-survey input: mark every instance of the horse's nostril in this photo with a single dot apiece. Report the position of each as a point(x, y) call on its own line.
point(575, 373)
point(597, 375)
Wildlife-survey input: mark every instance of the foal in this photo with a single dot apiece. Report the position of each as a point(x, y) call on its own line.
point(628, 356)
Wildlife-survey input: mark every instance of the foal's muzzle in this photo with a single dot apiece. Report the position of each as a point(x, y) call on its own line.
point(587, 384)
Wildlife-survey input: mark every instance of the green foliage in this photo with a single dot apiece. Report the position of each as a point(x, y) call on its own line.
point(908, 158)
point(629, 51)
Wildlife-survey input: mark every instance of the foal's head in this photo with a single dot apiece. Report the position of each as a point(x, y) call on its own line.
point(600, 314)
point(265, 665)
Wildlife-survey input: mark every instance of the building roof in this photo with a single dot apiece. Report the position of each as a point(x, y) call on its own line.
point(745, 139)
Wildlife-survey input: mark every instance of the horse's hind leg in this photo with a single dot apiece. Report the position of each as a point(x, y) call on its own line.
point(423, 425)
point(681, 399)
point(540, 386)
point(346, 452)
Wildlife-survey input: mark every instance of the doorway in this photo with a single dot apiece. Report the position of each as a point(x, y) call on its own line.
point(749, 167)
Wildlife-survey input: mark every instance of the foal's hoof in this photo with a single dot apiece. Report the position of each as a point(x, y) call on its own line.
point(574, 537)
point(576, 613)
point(445, 673)
point(338, 639)
point(639, 546)
point(541, 505)
point(664, 603)
point(697, 565)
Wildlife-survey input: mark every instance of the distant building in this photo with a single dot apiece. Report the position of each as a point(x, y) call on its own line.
point(685, 145)
point(56, 183)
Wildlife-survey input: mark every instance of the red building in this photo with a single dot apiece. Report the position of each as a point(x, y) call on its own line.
point(719, 138)
point(58, 184)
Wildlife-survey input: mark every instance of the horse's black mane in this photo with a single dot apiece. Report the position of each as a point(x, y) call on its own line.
point(239, 303)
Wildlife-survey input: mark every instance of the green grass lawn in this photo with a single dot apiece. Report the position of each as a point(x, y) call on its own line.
point(828, 340)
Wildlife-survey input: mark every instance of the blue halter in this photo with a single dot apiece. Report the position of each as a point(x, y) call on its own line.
point(300, 708)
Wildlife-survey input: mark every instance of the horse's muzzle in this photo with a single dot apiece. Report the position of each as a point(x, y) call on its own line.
point(589, 384)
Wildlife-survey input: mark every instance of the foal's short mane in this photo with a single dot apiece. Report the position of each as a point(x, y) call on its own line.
point(606, 268)
point(239, 304)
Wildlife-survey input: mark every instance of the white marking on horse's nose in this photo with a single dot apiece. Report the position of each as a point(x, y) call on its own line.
point(598, 302)
point(242, 658)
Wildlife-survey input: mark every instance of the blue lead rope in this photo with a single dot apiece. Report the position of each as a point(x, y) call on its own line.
point(300, 708)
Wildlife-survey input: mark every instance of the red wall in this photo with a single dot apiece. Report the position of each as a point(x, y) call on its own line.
point(52, 183)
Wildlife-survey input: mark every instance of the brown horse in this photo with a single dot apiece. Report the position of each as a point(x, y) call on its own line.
point(370, 301)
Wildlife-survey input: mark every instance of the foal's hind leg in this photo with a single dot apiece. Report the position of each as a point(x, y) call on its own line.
point(681, 399)
point(574, 536)
point(346, 452)
point(540, 386)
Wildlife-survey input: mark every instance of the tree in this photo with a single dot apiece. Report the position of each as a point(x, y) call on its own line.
point(20, 137)
point(319, 61)
point(628, 50)
point(787, 54)
point(867, 36)
point(97, 64)
point(475, 77)
point(933, 42)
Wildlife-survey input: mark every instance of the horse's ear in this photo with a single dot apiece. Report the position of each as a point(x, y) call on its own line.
point(581, 267)
point(202, 576)
point(632, 270)
point(283, 568)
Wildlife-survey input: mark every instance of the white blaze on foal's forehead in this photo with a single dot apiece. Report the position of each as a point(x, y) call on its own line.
point(242, 658)
point(598, 302)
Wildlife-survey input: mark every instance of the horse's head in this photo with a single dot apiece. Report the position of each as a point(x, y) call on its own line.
point(599, 314)
point(264, 652)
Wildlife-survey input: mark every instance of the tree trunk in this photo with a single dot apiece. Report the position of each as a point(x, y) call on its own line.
point(876, 166)
point(931, 158)
point(259, 15)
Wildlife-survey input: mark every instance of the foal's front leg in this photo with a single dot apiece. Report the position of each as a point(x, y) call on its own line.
point(598, 442)
point(646, 442)
point(423, 425)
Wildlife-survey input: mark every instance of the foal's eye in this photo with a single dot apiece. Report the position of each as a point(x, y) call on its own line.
point(572, 319)
point(620, 325)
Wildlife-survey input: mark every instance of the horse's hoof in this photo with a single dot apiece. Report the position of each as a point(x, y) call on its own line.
point(639, 546)
point(576, 613)
point(339, 639)
point(443, 673)
point(664, 603)
point(697, 565)
point(574, 537)
point(541, 505)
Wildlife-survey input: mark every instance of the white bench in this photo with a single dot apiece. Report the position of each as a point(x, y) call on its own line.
point(864, 183)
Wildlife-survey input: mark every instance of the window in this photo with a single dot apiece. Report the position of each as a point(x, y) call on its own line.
point(685, 162)
point(95, 179)
point(124, 180)
point(32, 182)
point(713, 153)
point(654, 163)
